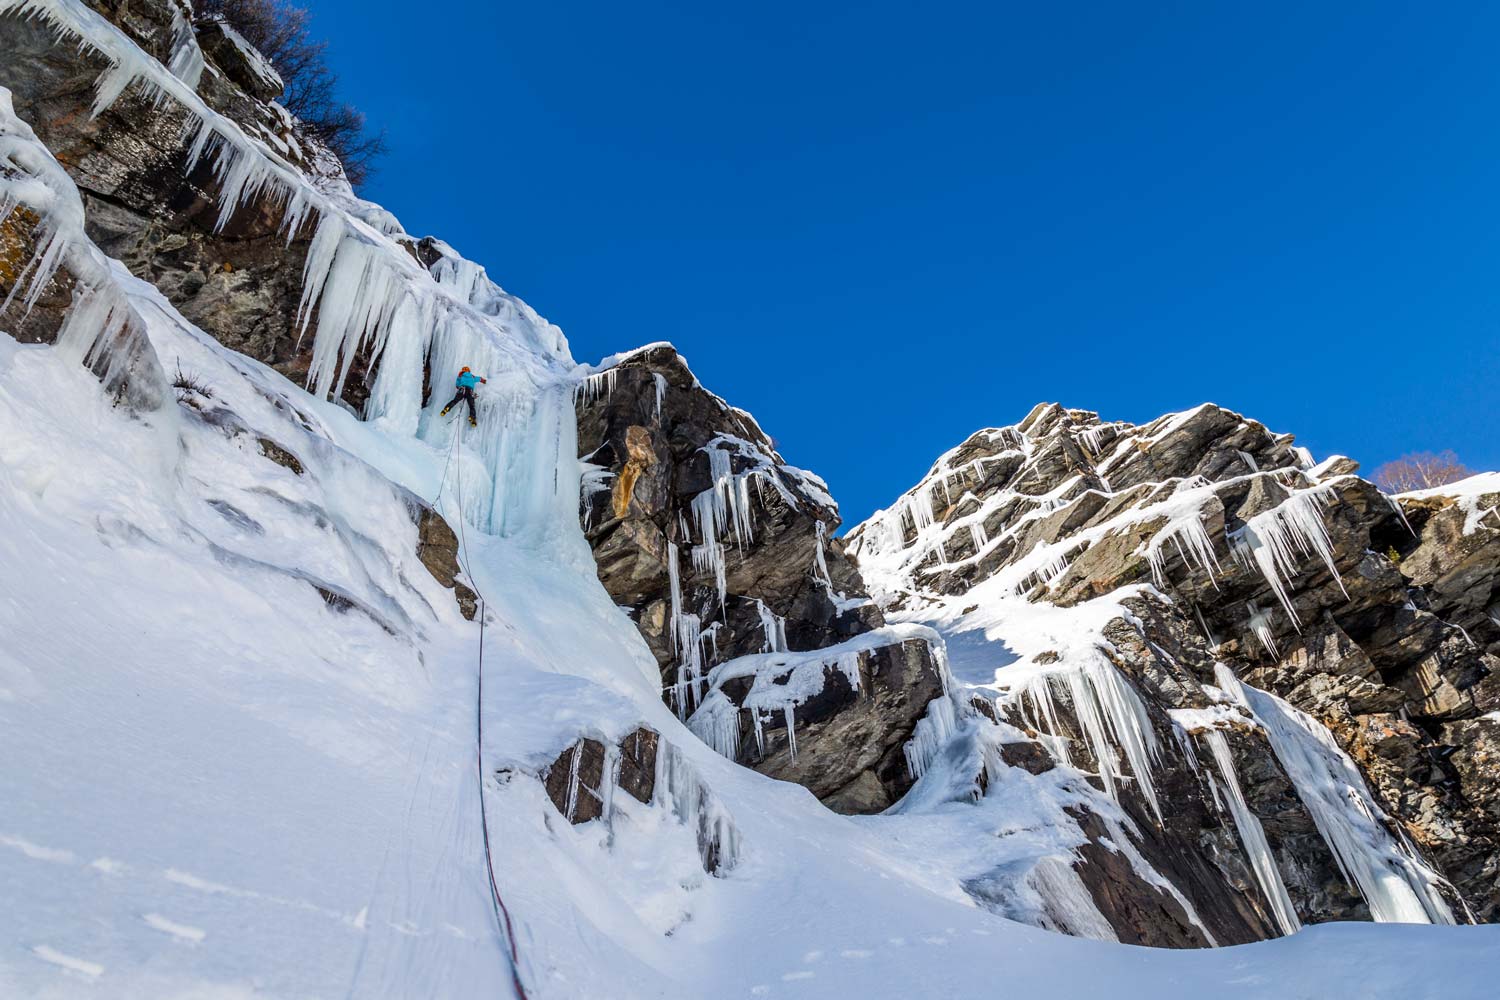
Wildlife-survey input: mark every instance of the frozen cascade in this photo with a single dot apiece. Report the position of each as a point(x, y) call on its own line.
point(717, 723)
point(369, 293)
point(1110, 714)
point(1278, 539)
point(933, 731)
point(1395, 883)
point(1253, 838)
point(1067, 907)
point(687, 640)
point(680, 786)
point(186, 61)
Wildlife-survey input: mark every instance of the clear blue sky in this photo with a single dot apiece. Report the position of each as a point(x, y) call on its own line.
point(881, 226)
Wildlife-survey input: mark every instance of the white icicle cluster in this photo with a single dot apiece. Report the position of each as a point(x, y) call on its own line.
point(101, 329)
point(1396, 884)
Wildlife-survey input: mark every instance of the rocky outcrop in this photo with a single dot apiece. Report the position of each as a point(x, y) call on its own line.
point(1202, 546)
point(437, 548)
point(584, 780)
point(721, 551)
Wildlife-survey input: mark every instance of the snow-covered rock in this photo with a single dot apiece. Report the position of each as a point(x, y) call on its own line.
point(725, 556)
point(1122, 566)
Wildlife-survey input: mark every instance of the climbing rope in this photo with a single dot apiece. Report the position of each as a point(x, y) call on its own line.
point(502, 913)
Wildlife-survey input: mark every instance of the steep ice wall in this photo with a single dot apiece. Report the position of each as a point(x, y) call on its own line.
point(364, 292)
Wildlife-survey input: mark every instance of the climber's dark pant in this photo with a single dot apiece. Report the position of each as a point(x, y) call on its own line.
point(467, 394)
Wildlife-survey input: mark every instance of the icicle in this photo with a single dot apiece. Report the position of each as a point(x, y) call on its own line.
point(1274, 541)
point(609, 779)
point(918, 509)
point(1199, 551)
point(679, 785)
point(1260, 624)
point(1253, 839)
point(717, 723)
point(100, 329)
point(687, 633)
point(661, 391)
point(601, 385)
point(1092, 438)
point(1395, 883)
point(820, 559)
point(774, 627)
point(1109, 714)
point(1395, 505)
point(186, 62)
point(1052, 562)
point(1067, 905)
point(573, 764)
point(1208, 635)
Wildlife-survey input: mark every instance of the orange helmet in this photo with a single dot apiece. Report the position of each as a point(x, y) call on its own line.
point(463, 369)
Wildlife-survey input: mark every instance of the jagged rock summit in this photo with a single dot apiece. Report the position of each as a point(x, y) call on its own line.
point(1263, 658)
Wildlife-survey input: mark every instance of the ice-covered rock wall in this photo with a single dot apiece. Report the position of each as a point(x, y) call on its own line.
point(1101, 582)
point(725, 557)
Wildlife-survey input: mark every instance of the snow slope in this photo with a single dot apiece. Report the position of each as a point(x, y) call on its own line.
point(219, 787)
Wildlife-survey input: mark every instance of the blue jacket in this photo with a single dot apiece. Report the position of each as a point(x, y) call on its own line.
point(468, 380)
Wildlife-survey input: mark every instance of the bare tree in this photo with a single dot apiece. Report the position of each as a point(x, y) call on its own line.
point(1421, 470)
point(282, 33)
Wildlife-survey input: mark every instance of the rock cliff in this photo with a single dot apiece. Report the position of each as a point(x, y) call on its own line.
point(1232, 641)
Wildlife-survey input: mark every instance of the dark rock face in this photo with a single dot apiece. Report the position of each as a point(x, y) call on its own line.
point(685, 488)
point(1390, 642)
point(849, 753)
point(655, 464)
point(583, 781)
point(579, 786)
point(437, 547)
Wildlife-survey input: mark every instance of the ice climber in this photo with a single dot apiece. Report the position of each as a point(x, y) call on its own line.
point(467, 380)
